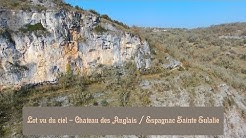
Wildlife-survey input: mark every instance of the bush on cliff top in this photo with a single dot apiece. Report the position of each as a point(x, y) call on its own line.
point(94, 12)
point(104, 16)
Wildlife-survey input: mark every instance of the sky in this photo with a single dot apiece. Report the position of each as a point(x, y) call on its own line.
point(168, 13)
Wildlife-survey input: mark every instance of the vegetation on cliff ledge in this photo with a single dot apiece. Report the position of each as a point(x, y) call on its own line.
point(33, 28)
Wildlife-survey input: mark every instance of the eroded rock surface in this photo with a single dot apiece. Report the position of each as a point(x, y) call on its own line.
point(33, 56)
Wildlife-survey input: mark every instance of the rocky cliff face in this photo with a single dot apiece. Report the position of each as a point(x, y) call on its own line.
point(37, 46)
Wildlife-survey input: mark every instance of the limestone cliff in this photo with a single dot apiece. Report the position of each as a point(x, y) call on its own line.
point(36, 46)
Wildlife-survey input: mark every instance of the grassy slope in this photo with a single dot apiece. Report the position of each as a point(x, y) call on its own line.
point(204, 51)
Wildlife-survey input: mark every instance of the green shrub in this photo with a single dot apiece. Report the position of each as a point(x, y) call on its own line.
point(104, 102)
point(193, 38)
point(94, 12)
point(99, 29)
point(81, 98)
point(67, 5)
point(104, 16)
point(65, 80)
point(95, 103)
point(32, 28)
point(121, 24)
point(78, 8)
point(124, 97)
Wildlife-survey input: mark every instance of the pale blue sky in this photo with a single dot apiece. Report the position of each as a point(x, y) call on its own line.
point(168, 13)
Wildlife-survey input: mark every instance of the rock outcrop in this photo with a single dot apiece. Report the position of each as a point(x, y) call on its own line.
point(37, 46)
